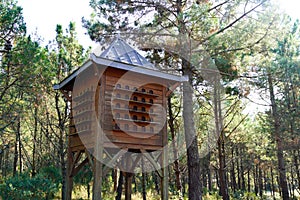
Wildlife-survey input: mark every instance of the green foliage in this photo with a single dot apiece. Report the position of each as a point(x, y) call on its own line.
point(52, 173)
point(25, 187)
point(11, 20)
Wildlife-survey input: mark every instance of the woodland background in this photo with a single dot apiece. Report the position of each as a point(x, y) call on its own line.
point(252, 148)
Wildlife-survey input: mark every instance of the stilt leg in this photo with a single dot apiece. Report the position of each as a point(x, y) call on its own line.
point(97, 186)
point(128, 185)
point(128, 178)
point(98, 171)
point(164, 180)
point(69, 178)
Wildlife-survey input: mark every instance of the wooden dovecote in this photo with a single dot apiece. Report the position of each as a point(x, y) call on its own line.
point(117, 105)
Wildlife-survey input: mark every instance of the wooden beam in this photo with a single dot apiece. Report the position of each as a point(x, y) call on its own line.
point(76, 157)
point(88, 155)
point(66, 95)
point(113, 159)
point(135, 162)
point(154, 163)
point(77, 169)
point(172, 88)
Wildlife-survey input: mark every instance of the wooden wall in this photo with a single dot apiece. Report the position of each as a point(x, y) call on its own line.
point(128, 106)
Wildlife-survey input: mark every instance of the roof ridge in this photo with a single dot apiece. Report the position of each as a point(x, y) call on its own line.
point(121, 51)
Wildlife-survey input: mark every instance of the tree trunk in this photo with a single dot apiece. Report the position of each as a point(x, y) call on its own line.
point(221, 140)
point(242, 170)
point(156, 186)
point(272, 182)
point(193, 159)
point(144, 193)
point(255, 172)
point(209, 172)
point(174, 146)
point(19, 144)
point(33, 170)
point(260, 181)
point(115, 178)
point(88, 188)
point(279, 142)
point(222, 170)
point(238, 169)
point(119, 188)
point(15, 163)
point(249, 181)
point(232, 172)
point(296, 164)
point(61, 139)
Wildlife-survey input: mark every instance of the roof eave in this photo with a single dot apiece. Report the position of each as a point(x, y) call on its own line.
point(73, 75)
point(119, 65)
point(137, 69)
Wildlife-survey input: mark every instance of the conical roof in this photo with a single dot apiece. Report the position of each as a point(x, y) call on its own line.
point(120, 51)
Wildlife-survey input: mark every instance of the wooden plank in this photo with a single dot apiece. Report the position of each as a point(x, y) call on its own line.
point(134, 141)
point(144, 136)
point(132, 146)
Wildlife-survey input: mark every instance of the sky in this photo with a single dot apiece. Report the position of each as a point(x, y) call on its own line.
point(41, 16)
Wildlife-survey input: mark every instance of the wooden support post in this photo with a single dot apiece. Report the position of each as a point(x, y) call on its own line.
point(164, 157)
point(98, 171)
point(69, 178)
point(128, 185)
point(97, 185)
point(128, 178)
point(70, 159)
point(98, 147)
point(164, 179)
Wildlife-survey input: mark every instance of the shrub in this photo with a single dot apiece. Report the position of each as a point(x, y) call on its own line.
point(25, 187)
